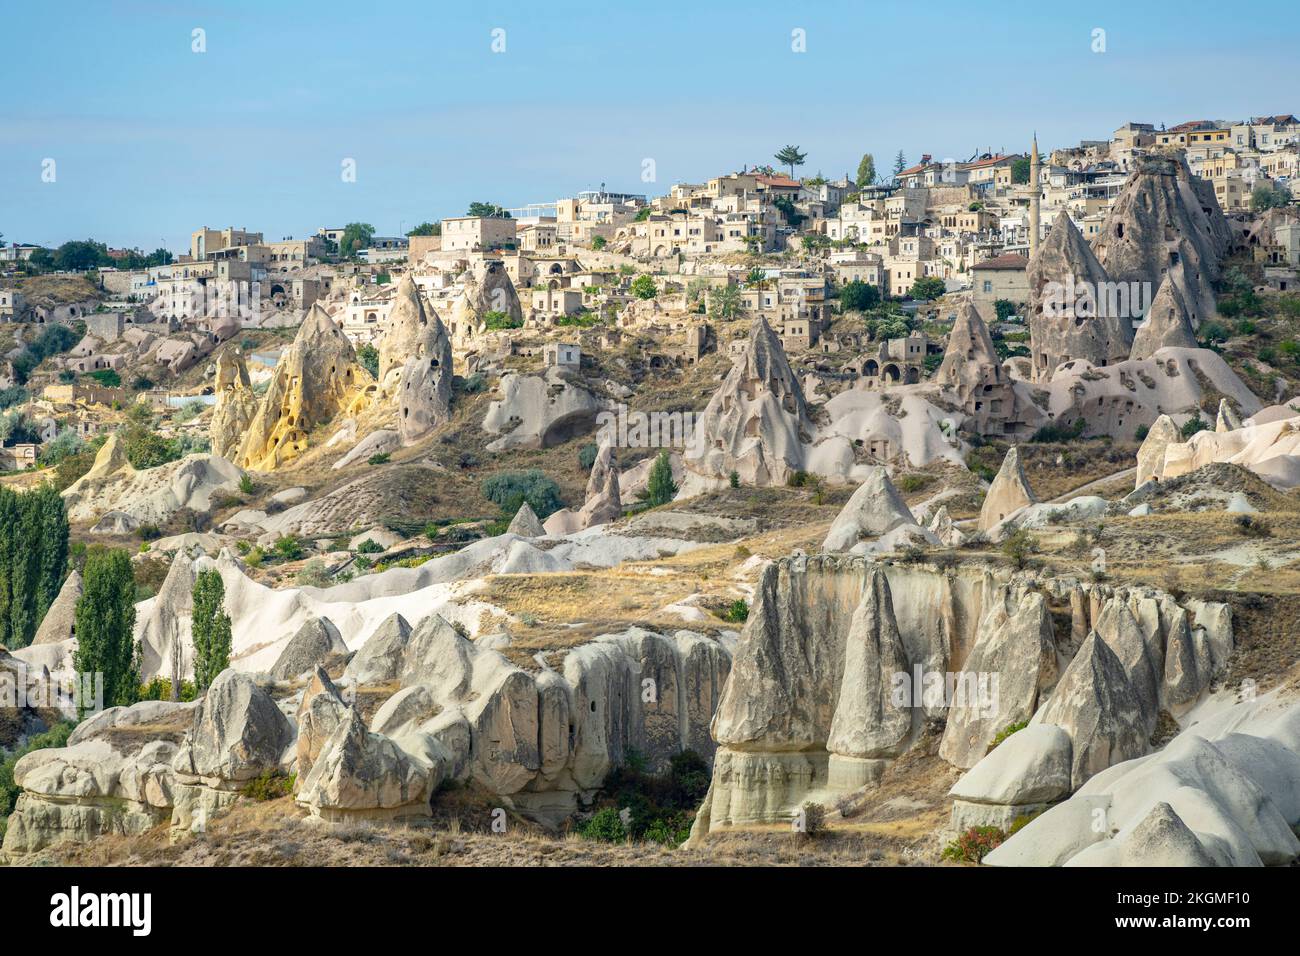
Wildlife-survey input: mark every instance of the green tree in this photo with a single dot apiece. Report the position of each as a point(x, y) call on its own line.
point(866, 171)
point(643, 287)
point(486, 209)
point(900, 163)
point(368, 356)
point(1004, 308)
point(426, 229)
point(858, 295)
point(1020, 170)
point(724, 302)
point(598, 243)
point(927, 288)
point(79, 255)
point(509, 489)
point(105, 622)
point(661, 489)
point(790, 156)
point(1265, 197)
point(53, 563)
point(356, 236)
point(211, 628)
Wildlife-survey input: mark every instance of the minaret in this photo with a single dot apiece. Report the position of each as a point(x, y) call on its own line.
point(1033, 197)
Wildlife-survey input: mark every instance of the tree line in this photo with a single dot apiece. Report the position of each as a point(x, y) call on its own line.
point(33, 560)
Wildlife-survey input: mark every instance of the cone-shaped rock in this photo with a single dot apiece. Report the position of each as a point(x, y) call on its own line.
point(1008, 494)
point(1070, 316)
point(236, 404)
point(316, 378)
point(868, 721)
point(526, 523)
point(757, 421)
point(1097, 706)
point(876, 508)
point(1168, 322)
point(1151, 456)
point(1227, 420)
point(1165, 217)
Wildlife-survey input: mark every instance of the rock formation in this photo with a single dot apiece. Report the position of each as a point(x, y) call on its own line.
point(1014, 641)
point(1227, 418)
point(1097, 705)
point(235, 407)
point(1026, 772)
point(1224, 793)
point(316, 378)
point(1166, 221)
point(415, 364)
point(971, 368)
point(487, 289)
point(875, 510)
point(602, 503)
point(525, 523)
point(314, 644)
point(540, 411)
point(59, 622)
point(112, 487)
point(1071, 315)
point(113, 777)
point(1008, 493)
point(1168, 322)
point(1119, 399)
point(943, 528)
point(757, 422)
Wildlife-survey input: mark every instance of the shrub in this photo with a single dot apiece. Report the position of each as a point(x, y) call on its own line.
point(1007, 731)
point(587, 456)
point(1058, 432)
point(380, 458)
point(106, 377)
point(1018, 546)
point(1252, 527)
point(910, 483)
point(313, 574)
point(510, 489)
point(605, 826)
point(473, 384)
point(246, 484)
point(1141, 433)
point(737, 612)
point(369, 547)
point(975, 844)
point(1192, 426)
point(368, 356)
point(288, 548)
point(733, 479)
point(269, 785)
point(496, 321)
point(160, 688)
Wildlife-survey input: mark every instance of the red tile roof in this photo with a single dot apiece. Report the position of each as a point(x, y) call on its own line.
point(783, 181)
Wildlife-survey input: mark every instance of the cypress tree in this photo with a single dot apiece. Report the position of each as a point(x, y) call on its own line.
point(8, 534)
point(54, 549)
point(105, 619)
point(660, 487)
point(210, 627)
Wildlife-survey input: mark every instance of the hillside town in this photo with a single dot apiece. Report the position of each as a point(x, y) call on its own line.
point(625, 517)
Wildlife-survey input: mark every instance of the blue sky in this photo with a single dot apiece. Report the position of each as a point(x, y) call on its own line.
point(152, 140)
